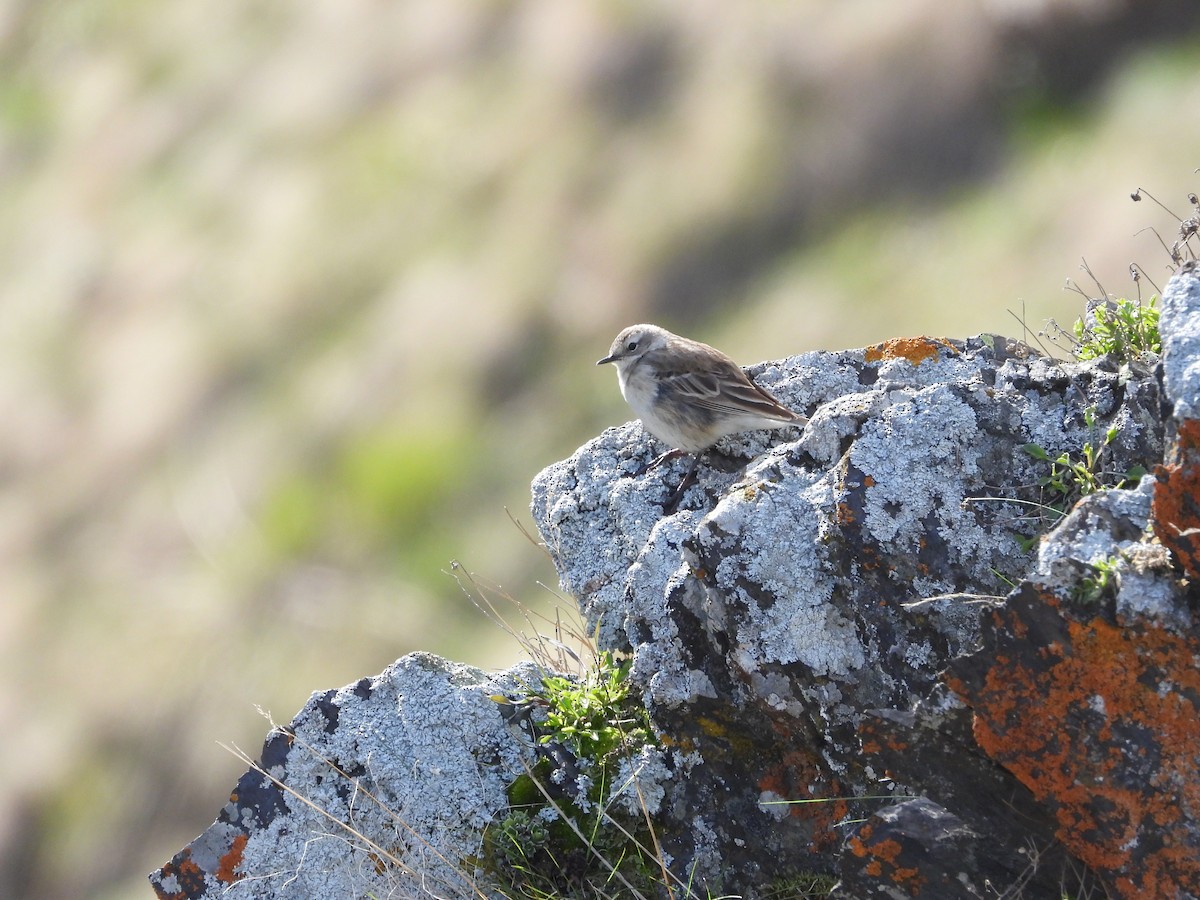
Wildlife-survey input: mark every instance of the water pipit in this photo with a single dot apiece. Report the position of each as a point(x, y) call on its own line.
point(689, 395)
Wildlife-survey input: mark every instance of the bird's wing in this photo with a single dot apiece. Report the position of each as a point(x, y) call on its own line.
point(709, 379)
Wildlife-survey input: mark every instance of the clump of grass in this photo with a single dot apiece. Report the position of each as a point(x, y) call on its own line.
point(803, 886)
point(1123, 329)
point(577, 824)
point(565, 832)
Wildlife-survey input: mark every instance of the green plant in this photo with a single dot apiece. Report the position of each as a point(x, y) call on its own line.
point(1073, 477)
point(1103, 581)
point(593, 716)
point(564, 834)
point(1125, 330)
point(1070, 477)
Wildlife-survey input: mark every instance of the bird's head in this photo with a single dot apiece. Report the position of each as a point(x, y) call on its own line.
point(633, 343)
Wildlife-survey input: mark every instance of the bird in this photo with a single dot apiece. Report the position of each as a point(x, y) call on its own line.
point(689, 395)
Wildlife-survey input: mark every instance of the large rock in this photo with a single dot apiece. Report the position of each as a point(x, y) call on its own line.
point(794, 621)
point(856, 664)
point(1089, 691)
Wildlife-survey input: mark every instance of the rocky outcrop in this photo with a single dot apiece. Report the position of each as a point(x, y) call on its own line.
point(381, 788)
point(856, 661)
point(830, 619)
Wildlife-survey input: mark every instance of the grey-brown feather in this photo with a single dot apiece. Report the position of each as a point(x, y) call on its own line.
point(702, 375)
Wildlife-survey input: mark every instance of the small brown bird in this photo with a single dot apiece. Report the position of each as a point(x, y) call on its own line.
point(689, 395)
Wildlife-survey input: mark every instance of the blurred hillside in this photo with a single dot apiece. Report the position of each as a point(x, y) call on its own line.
point(297, 298)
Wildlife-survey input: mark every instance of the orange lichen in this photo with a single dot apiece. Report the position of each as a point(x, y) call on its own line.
point(857, 843)
point(796, 776)
point(887, 850)
point(875, 741)
point(1074, 720)
point(915, 349)
point(883, 856)
point(909, 878)
point(187, 875)
point(227, 872)
point(1176, 504)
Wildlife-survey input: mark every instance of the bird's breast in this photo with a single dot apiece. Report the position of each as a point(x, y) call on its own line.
point(639, 388)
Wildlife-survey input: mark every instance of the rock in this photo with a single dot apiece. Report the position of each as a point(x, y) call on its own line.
point(1177, 504)
point(792, 622)
point(1090, 693)
point(915, 848)
point(855, 661)
point(1099, 716)
point(383, 786)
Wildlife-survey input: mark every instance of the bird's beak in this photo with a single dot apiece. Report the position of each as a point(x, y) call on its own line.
point(606, 359)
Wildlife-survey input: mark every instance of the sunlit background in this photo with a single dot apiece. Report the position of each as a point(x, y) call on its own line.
point(296, 298)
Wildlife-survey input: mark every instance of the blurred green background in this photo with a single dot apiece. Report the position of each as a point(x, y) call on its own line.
point(297, 298)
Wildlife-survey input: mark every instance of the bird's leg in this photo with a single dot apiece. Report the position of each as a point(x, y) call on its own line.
point(659, 460)
point(689, 478)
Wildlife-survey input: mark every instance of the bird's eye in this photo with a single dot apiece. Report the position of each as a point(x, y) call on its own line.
point(631, 346)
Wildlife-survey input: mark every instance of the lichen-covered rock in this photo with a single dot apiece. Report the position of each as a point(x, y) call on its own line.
point(1086, 684)
point(1099, 715)
point(792, 620)
point(1177, 504)
point(379, 789)
point(916, 849)
point(844, 616)
point(1179, 323)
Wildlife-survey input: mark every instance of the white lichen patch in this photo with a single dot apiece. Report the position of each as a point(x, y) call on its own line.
point(771, 541)
point(1179, 324)
point(773, 805)
point(918, 454)
point(639, 785)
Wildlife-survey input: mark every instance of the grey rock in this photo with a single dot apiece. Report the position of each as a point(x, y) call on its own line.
point(381, 787)
point(841, 615)
point(1179, 323)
